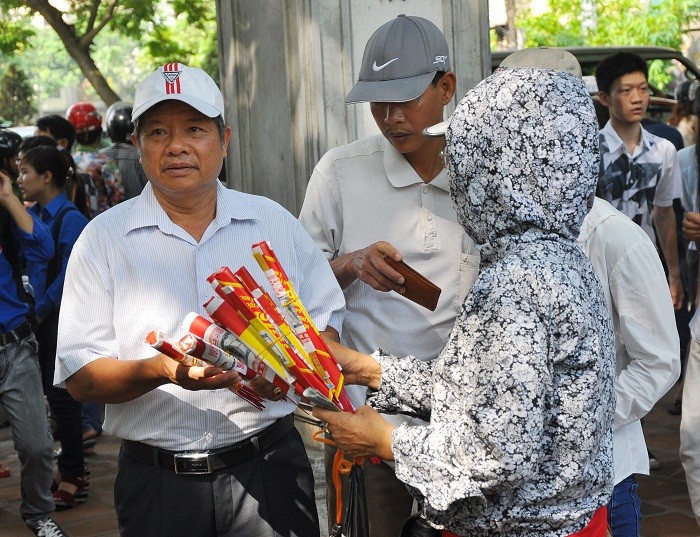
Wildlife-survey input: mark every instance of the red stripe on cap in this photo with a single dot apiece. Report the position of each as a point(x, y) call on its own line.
point(171, 87)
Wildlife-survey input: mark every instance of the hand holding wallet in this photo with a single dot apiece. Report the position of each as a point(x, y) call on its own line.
point(419, 289)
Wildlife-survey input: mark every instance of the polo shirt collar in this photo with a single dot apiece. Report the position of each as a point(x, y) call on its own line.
point(401, 174)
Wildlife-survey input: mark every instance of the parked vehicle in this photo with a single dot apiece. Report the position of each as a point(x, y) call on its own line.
point(667, 69)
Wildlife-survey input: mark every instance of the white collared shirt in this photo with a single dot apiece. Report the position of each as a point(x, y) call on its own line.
point(364, 192)
point(646, 340)
point(133, 270)
point(635, 183)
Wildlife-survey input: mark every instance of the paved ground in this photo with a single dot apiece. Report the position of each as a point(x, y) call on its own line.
point(665, 502)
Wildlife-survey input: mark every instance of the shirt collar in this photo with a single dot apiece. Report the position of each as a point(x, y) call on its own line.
point(147, 212)
point(616, 144)
point(52, 207)
point(401, 174)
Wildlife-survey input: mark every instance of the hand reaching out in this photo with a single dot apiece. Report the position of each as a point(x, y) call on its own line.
point(362, 434)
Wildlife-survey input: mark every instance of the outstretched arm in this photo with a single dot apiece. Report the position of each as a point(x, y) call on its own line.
point(110, 380)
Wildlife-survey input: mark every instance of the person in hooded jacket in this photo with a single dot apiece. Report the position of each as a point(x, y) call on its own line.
point(521, 399)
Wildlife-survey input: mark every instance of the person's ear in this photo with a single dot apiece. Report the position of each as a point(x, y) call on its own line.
point(447, 86)
point(604, 98)
point(46, 178)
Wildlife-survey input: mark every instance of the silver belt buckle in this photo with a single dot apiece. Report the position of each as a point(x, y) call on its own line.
point(192, 463)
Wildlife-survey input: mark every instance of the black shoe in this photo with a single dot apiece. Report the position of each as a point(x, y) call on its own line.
point(676, 409)
point(46, 527)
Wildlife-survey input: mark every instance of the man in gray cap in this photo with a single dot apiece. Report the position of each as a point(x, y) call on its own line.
point(195, 459)
point(387, 196)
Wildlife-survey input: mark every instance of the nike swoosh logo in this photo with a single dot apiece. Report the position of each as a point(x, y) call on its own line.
point(376, 67)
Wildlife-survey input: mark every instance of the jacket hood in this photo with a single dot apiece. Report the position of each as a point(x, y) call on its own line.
point(522, 150)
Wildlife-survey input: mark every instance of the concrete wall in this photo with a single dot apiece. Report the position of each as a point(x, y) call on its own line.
point(286, 67)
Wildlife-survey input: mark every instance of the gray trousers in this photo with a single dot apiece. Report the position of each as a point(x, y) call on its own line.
point(22, 396)
point(271, 495)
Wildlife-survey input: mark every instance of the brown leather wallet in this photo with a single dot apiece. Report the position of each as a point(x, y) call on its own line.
point(419, 289)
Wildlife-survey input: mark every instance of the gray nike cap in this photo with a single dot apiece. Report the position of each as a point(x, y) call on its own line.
point(400, 60)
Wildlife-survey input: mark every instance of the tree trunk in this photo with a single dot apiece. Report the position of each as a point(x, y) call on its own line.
point(80, 52)
point(511, 35)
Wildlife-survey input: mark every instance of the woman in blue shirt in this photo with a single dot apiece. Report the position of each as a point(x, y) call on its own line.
point(44, 171)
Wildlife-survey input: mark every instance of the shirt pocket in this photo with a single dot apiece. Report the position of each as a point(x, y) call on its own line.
point(468, 272)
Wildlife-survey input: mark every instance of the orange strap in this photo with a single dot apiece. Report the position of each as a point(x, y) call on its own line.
point(341, 466)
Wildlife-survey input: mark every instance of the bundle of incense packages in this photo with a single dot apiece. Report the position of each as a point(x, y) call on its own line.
point(298, 318)
point(189, 354)
point(270, 335)
point(257, 338)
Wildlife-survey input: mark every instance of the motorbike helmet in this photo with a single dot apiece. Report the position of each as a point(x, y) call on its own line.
point(84, 117)
point(9, 143)
point(119, 125)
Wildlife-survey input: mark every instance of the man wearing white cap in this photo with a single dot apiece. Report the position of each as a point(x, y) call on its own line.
point(388, 196)
point(195, 459)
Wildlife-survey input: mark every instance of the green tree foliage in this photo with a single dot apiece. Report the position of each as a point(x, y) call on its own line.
point(191, 38)
point(108, 41)
point(15, 31)
point(608, 22)
point(16, 96)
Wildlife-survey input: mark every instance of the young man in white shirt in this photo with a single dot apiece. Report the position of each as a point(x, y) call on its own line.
point(639, 172)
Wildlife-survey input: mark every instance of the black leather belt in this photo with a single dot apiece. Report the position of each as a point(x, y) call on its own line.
point(207, 462)
point(18, 334)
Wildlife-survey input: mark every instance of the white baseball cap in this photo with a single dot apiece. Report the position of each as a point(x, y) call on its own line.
point(556, 59)
point(175, 81)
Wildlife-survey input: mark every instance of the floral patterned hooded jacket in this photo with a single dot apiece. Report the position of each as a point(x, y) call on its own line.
point(520, 401)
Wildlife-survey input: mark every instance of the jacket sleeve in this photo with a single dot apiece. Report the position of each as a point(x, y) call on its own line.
point(528, 368)
point(490, 386)
point(406, 386)
point(72, 225)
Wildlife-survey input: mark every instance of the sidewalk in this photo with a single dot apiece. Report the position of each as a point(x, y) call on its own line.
point(665, 502)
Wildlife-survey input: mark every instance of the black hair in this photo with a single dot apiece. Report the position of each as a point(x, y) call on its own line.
point(58, 126)
point(45, 158)
point(616, 66)
point(438, 76)
point(75, 184)
point(36, 141)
